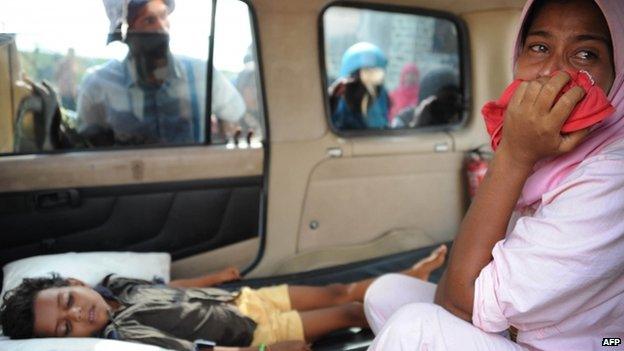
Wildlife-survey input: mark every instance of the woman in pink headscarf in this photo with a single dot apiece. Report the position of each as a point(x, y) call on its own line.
point(406, 94)
point(541, 249)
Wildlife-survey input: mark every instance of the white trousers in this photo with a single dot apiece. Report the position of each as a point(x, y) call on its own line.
point(401, 313)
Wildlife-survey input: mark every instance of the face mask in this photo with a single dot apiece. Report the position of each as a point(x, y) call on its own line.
point(150, 52)
point(372, 76)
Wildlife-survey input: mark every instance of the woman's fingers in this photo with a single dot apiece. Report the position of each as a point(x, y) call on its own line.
point(533, 92)
point(564, 106)
point(569, 141)
point(540, 93)
point(550, 90)
point(518, 95)
point(534, 118)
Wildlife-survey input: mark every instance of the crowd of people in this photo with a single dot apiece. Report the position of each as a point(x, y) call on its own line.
point(153, 96)
point(359, 99)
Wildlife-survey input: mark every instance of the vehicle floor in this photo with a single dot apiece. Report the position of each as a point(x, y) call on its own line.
point(351, 339)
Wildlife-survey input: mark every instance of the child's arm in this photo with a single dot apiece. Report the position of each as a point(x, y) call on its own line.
point(211, 279)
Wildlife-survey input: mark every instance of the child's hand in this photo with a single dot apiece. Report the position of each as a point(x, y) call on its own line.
point(228, 274)
point(290, 346)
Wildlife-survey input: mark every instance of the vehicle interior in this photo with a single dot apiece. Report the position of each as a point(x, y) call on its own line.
point(286, 193)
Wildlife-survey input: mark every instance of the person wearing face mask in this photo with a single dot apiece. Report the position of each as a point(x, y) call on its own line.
point(151, 96)
point(540, 250)
point(360, 99)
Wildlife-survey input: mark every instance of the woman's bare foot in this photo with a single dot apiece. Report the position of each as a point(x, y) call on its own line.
point(423, 268)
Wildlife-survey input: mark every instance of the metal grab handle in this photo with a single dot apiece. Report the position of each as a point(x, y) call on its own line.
point(56, 199)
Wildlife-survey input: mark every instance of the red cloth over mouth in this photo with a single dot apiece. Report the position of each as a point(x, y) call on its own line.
point(593, 108)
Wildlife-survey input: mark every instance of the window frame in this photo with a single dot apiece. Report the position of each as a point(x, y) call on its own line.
point(264, 192)
point(255, 34)
point(261, 94)
point(465, 66)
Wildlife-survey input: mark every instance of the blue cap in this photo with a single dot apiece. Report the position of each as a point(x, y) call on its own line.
point(362, 55)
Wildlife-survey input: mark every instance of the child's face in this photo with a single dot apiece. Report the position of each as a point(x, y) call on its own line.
point(72, 311)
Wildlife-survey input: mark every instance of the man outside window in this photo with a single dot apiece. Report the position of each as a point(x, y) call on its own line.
point(151, 96)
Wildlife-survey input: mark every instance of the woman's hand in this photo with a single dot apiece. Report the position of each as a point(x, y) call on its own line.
point(290, 346)
point(533, 121)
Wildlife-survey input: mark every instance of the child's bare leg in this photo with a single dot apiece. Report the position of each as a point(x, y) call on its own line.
point(423, 268)
point(317, 323)
point(304, 298)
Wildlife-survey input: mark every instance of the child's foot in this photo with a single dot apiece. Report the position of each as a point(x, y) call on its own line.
point(423, 268)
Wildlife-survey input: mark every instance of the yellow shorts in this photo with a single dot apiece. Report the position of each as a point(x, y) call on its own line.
point(271, 310)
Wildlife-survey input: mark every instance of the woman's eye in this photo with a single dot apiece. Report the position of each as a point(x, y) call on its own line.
point(70, 300)
point(67, 328)
point(538, 48)
point(586, 55)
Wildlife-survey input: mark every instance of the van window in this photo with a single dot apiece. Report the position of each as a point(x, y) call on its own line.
point(235, 55)
point(119, 77)
point(388, 70)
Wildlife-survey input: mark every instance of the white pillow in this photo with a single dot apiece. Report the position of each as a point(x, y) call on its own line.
point(90, 267)
point(73, 344)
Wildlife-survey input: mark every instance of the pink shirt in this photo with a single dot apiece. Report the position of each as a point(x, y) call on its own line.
point(558, 276)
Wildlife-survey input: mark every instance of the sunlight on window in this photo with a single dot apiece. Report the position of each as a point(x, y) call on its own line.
point(83, 26)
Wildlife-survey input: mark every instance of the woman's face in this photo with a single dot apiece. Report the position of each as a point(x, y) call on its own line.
point(372, 76)
point(567, 36)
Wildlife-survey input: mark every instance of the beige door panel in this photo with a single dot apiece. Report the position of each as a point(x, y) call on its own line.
point(354, 201)
point(416, 142)
point(302, 180)
point(395, 241)
point(239, 255)
point(107, 168)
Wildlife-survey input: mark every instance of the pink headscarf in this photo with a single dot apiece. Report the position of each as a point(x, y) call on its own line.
point(405, 95)
point(548, 173)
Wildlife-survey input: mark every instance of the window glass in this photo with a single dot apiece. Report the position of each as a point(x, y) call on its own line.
point(390, 70)
point(235, 56)
point(123, 75)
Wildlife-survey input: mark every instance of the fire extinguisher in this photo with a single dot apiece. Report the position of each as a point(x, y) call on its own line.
point(476, 168)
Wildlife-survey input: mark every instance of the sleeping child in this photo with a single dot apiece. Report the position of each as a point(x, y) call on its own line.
point(188, 314)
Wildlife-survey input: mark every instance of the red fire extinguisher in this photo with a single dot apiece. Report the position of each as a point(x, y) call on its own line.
point(476, 167)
